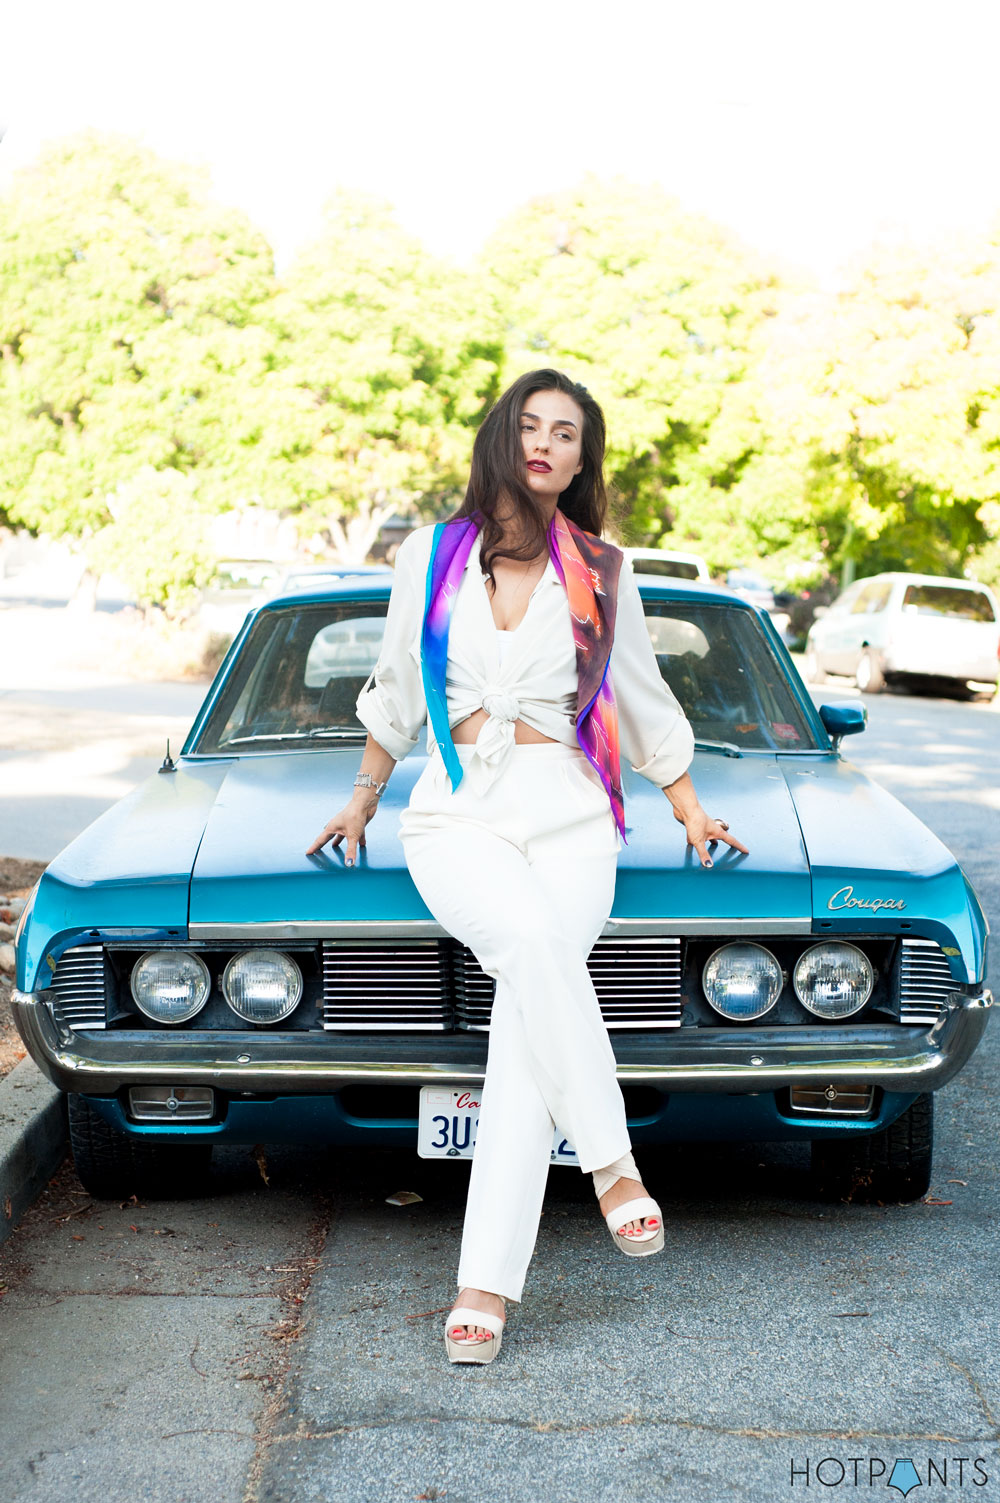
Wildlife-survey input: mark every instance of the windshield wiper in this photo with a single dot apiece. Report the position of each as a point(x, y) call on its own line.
point(725, 747)
point(341, 734)
point(267, 736)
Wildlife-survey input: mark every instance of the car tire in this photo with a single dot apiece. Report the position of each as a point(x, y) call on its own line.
point(868, 675)
point(111, 1165)
point(891, 1165)
point(814, 673)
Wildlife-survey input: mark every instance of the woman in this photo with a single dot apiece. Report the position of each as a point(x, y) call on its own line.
point(517, 631)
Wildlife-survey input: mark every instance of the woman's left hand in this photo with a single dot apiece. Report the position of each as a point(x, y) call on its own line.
point(703, 832)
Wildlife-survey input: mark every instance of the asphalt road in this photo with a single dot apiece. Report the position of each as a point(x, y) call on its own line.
point(282, 1341)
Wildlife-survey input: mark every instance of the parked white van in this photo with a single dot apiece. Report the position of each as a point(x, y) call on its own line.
point(896, 626)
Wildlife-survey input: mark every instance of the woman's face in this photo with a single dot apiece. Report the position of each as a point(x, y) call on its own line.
point(552, 436)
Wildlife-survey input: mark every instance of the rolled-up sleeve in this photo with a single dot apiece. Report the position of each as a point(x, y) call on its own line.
point(656, 735)
point(391, 705)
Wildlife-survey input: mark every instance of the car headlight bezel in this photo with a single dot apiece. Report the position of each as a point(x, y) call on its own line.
point(244, 1011)
point(201, 980)
point(866, 968)
point(713, 986)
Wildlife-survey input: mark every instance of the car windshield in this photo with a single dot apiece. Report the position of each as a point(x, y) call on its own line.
point(298, 676)
point(948, 600)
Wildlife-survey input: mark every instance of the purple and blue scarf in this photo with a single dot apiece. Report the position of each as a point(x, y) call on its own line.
point(588, 569)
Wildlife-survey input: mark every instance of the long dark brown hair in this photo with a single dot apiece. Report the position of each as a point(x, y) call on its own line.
point(498, 471)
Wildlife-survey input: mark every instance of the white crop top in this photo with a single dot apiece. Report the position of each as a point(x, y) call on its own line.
point(526, 674)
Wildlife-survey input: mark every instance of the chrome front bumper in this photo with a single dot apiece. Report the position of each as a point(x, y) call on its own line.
point(897, 1058)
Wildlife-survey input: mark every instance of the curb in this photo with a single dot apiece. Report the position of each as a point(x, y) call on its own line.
point(32, 1139)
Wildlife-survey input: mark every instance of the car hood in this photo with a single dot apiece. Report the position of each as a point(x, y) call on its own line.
point(251, 866)
point(222, 844)
point(877, 867)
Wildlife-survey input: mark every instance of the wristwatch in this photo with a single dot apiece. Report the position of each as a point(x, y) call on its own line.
point(365, 780)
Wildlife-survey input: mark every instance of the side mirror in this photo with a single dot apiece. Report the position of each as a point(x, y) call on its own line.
point(843, 720)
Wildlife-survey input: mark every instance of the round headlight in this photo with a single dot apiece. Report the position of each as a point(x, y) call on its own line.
point(170, 986)
point(742, 981)
point(262, 986)
point(833, 979)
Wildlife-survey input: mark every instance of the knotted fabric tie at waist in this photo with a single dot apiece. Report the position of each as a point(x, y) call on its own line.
point(496, 734)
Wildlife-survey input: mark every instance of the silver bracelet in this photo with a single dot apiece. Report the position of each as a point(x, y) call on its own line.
point(365, 780)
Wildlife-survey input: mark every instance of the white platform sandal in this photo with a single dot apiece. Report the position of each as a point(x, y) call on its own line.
point(646, 1243)
point(472, 1348)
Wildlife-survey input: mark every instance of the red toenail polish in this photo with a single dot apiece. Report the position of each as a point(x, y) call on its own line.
point(652, 1221)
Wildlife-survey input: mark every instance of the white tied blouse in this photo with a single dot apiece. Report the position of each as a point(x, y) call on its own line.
point(526, 674)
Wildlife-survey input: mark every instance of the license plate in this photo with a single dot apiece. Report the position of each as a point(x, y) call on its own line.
point(447, 1127)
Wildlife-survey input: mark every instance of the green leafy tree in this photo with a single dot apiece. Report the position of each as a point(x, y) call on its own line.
point(158, 540)
point(878, 412)
point(126, 331)
point(395, 357)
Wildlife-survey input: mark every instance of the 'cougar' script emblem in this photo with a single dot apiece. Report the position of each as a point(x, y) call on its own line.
point(848, 900)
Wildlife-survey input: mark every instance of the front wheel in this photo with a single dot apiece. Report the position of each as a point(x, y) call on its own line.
point(112, 1165)
point(891, 1165)
point(868, 675)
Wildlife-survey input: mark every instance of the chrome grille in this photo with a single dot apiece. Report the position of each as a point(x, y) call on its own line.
point(78, 995)
point(473, 991)
point(438, 985)
point(385, 985)
point(638, 982)
point(924, 981)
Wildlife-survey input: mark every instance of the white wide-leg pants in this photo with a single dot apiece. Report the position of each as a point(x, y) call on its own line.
point(524, 874)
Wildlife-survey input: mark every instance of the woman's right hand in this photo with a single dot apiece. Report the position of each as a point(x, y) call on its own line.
point(348, 825)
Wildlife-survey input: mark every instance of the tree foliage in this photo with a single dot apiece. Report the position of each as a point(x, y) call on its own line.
point(127, 305)
point(395, 359)
point(877, 409)
point(155, 374)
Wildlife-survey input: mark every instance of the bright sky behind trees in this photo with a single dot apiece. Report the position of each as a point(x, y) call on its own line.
point(809, 128)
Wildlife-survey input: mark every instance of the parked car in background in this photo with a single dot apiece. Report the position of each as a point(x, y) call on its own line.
point(751, 587)
point(302, 577)
point(243, 584)
point(663, 563)
point(755, 590)
point(896, 627)
point(189, 977)
point(238, 585)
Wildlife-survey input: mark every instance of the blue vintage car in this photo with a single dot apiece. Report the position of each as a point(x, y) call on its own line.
point(189, 976)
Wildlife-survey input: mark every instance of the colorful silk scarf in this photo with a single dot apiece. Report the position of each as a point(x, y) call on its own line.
point(588, 569)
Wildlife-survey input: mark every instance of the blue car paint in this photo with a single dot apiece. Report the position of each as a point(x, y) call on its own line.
point(850, 824)
point(659, 873)
point(129, 870)
point(269, 810)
